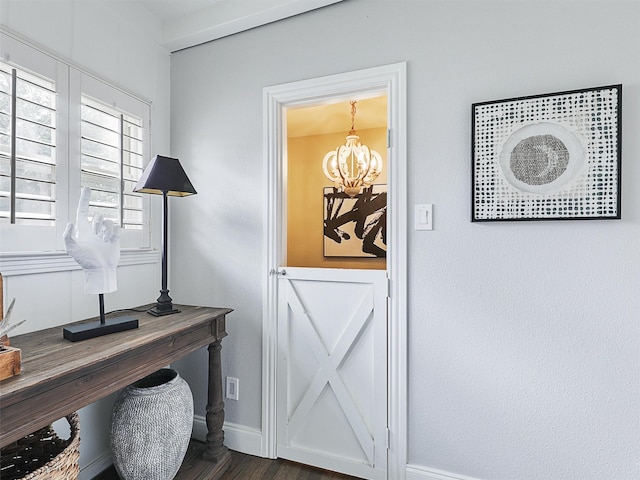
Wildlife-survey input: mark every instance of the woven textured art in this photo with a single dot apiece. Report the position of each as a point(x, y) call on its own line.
point(553, 156)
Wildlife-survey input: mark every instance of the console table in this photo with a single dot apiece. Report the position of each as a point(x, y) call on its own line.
point(59, 377)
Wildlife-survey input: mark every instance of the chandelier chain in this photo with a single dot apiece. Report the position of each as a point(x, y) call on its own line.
point(353, 116)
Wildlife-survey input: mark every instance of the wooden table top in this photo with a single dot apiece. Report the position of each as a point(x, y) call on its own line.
point(59, 377)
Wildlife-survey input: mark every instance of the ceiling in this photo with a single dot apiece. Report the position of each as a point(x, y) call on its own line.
point(186, 23)
point(172, 9)
point(336, 117)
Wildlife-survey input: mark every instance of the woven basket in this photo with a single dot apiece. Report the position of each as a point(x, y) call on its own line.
point(43, 455)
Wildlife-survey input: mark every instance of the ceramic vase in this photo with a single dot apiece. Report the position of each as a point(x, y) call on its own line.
point(151, 425)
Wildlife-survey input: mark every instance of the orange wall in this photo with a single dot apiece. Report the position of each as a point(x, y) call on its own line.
point(305, 212)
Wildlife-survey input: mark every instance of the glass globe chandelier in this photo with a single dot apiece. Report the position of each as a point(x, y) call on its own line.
point(353, 165)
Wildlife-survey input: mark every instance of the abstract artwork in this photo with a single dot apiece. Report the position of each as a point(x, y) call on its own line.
point(555, 156)
point(355, 226)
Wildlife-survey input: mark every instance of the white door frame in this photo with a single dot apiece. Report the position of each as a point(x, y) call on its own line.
point(389, 80)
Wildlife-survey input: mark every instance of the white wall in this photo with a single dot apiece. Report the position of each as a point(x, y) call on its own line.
point(103, 38)
point(524, 342)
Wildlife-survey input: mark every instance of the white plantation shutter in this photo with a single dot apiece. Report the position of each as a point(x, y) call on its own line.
point(111, 162)
point(132, 167)
point(114, 141)
point(27, 147)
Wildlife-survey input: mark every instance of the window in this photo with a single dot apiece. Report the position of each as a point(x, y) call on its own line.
point(112, 162)
point(62, 129)
point(27, 147)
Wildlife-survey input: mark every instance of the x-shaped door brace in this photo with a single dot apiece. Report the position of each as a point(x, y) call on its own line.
point(328, 372)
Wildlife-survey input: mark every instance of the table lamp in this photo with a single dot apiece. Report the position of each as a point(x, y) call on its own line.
point(164, 175)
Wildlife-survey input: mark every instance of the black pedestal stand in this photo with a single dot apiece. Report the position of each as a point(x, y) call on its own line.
point(84, 331)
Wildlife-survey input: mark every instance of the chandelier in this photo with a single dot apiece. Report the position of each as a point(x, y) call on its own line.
point(352, 166)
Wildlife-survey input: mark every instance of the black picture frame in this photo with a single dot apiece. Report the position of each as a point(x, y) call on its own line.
point(555, 156)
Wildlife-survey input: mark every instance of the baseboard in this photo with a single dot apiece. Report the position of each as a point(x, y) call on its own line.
point(416, 472)
point(236, 437)
point(248, 440)
point(96, 467)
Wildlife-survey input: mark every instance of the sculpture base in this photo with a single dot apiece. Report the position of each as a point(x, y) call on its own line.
point(84, 331)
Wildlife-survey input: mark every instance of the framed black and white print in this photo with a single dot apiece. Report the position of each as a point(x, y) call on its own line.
point(555, 156)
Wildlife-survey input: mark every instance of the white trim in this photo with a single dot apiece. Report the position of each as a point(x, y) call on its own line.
point(96, 467)
point(226, 18)
point(397, 261)
point(47, 262)
point(236, 437)
point(389, 79)
point(416, 472)
point(273, 146)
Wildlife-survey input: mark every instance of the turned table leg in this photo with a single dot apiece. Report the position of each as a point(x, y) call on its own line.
point(215, 450)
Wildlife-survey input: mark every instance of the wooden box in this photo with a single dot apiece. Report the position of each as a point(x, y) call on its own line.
point(10, 359)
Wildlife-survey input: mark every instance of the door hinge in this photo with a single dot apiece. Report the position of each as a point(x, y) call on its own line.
point(388, 439)
point(388, 138)
point(388, 287)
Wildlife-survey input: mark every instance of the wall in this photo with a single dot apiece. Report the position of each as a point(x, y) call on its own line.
point(523, 337)
point(305, 204)
point(104, 38)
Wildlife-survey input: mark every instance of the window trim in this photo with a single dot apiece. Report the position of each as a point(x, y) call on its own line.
point(60, 261)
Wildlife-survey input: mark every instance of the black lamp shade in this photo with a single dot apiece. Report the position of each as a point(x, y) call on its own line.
point(165, 174)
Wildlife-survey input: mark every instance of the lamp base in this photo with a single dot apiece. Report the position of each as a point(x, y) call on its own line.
point(84, 331)
point(159, 312)
point(164, 304)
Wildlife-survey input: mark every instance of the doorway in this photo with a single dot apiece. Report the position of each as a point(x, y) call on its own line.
point(326, 227)
point(286, 298)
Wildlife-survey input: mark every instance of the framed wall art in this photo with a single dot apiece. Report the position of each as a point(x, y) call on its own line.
point(555, 156)
point(355, 226)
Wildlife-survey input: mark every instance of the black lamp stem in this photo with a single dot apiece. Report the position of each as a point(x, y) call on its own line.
point(164, 305)
point(165, 239)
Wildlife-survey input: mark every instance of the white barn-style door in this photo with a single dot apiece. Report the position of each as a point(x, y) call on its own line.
point(332, 369)
point(347, 435)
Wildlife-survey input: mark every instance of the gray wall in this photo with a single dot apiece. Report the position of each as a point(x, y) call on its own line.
point(523, 337)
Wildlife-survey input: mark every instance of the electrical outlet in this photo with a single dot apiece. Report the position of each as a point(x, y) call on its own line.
point(232, 388)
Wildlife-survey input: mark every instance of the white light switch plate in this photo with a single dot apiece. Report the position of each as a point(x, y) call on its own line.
point(424, 216)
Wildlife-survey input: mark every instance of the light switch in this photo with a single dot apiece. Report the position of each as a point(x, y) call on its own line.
point(424, 217)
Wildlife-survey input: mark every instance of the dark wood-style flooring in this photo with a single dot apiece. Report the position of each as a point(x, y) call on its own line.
point(248, 467)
